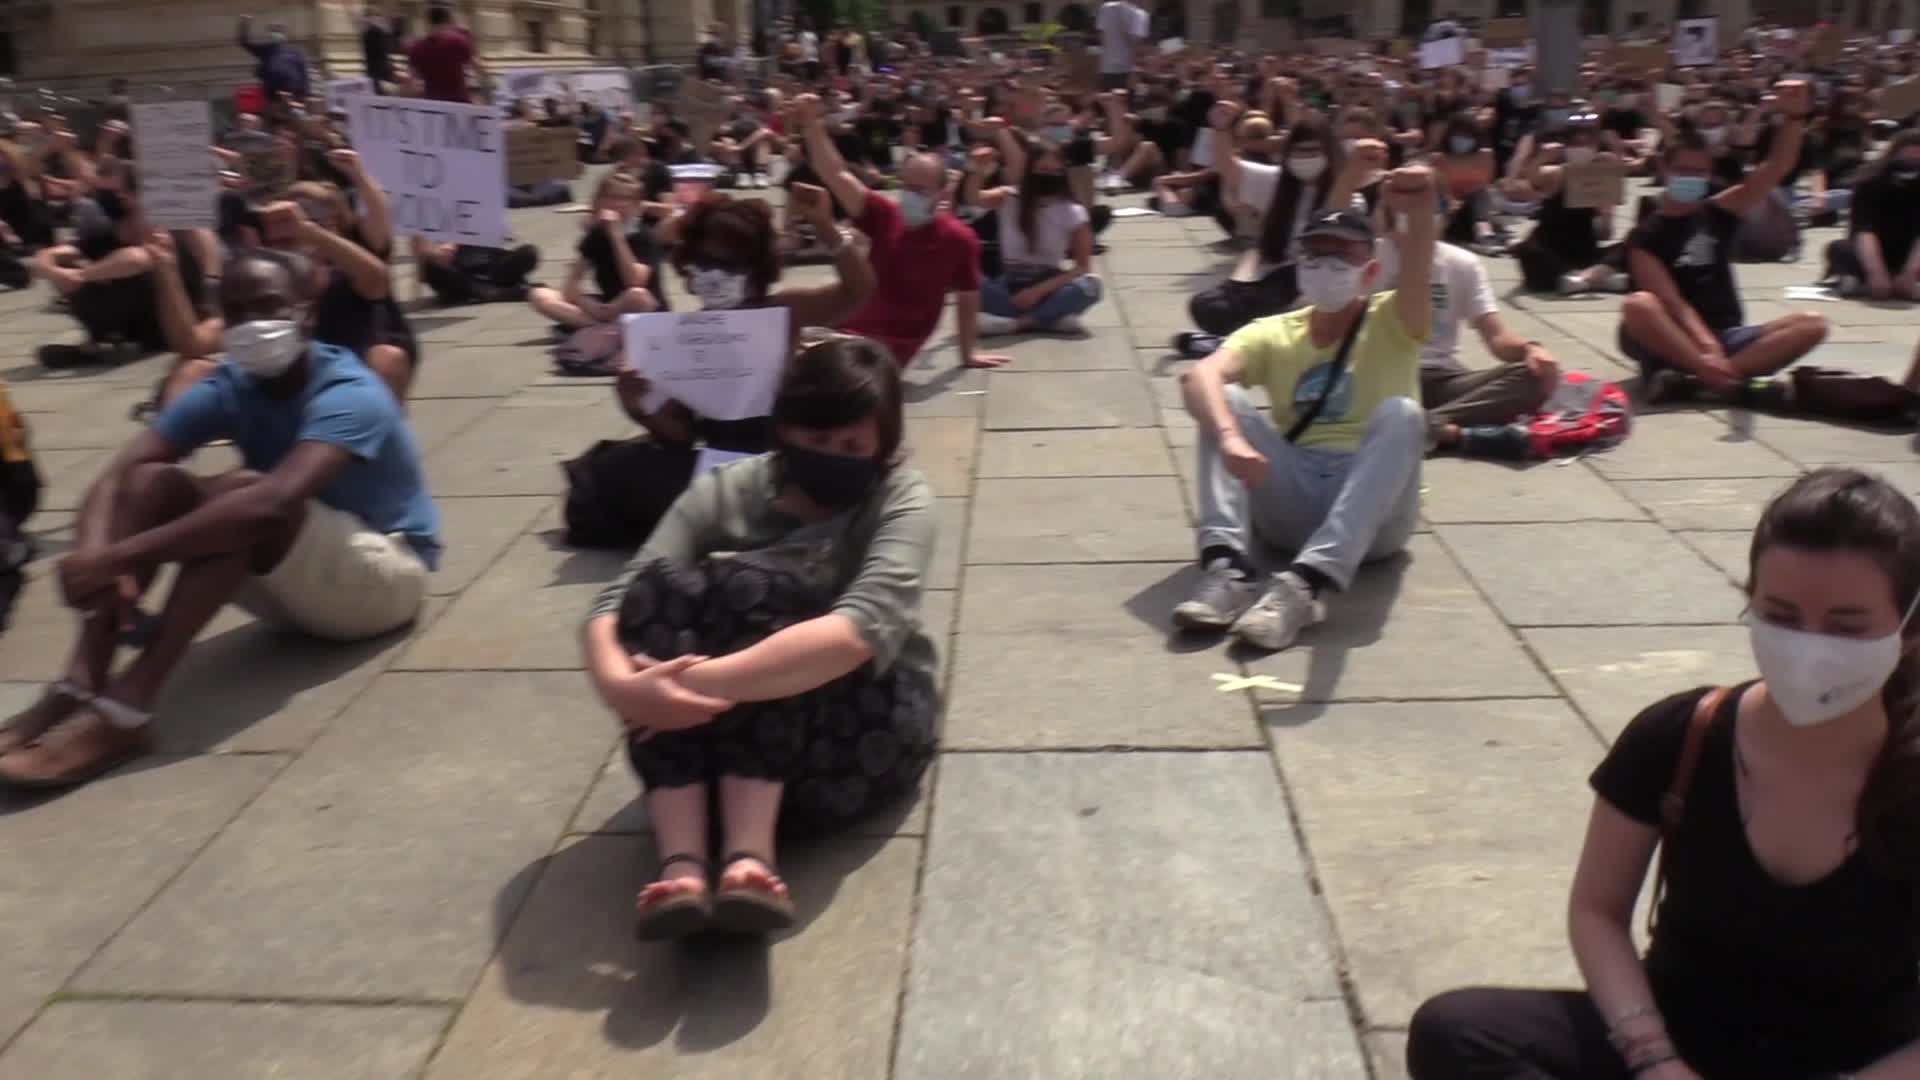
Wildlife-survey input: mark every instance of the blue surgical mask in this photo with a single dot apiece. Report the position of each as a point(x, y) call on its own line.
point(1059, 133)
point(916, 208)
point(1462, 144)
point(1686, 189)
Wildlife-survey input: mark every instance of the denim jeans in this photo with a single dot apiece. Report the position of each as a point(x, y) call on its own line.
point(1336, 508)
point(1076, 296)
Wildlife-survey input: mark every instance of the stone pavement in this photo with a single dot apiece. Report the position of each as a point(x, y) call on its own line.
point(417, 857)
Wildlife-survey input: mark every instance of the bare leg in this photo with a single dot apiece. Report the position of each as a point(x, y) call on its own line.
point(548, 302)
point(634, 302)
point(1913, 373)
point(1785, 340)
point(679, 817)
point(749, 809)
point(1649, 324)
point(394, 367)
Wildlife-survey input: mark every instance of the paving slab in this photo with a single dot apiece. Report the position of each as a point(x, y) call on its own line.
point(949, 542)
point(1727, 550)
point(1088, 452)
point(1723, 505)
point(936, 386)
point(165, 1040)
point(1102, 349)
point(1378, 640)
point(573, 994)
point(1043, 869)
point(475, 531)
point(1129, 260)
point(1544, 575)
point(1614, 673)
point(1457, 490)
point(1688, 446)
point(464, 371)
point(1436, 828)
point(523, 614)
point(437, 422)
point(518, 451)
point(393, 838)
point(1078, 519)
point(1085, 399)
point(79, 865)
point(1387, 1050)
point(1812, 441)
point(943, 448)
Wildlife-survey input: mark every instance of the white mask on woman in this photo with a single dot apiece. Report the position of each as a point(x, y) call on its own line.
point(717, 289)
point(1307, 168)
point(264, 348)
point(1328, 282)
point(1817, 677)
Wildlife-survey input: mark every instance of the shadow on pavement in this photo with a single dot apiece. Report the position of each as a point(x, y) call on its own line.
point(1355, 620)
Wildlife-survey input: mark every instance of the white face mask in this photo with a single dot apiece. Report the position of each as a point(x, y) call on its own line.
point(1817, 677)
point(264, 348)
point(1307, 168)
point(1714, 135)
point(1328, 282)
point(718, 289)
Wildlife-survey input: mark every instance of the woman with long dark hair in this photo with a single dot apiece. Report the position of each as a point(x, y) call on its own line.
point(763, 649)
point(1787, 814)
point(1046, 279)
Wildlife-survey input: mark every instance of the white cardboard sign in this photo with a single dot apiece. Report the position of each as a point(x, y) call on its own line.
point(177, 183)
point(443, 165)
point(609, 88)
point(338, 90)
point(1696, 42)
point(724, 365)
point(1446, 52)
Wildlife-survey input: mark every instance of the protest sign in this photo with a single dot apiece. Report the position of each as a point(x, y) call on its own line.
point(1505, 33)
point(1696, 42)
point(540, 153)
point(1518, 56)
point(340, 89)
point(1668, 96)
point(443, 165)
point(1827, 45)
point(609, 88)
point(704, 107)
point(1900, 37)
point(1594, 184)
point(1900, 100)
point(1495, 78)
point(1169, 46)
point(1641, 57)
point(532, 83)
point(724, 365)
point(1446, 52)
point(177, 186)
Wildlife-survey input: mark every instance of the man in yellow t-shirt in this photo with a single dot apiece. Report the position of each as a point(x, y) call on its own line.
point(1347, 488)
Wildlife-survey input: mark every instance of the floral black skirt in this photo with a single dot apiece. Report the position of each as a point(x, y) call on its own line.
point(842, 750)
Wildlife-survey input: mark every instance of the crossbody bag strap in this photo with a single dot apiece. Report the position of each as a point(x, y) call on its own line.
point(1673, 804)
point(1338, 369)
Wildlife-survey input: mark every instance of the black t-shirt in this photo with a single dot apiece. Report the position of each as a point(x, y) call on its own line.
point(877, 135)
point(343, 317)
point(656, 180)
point(595, 248)
point(712, 60)
point(1697, 250)
point(1758, 979)
point(1839, 152)
point(1626, 123)
point(1885, 206)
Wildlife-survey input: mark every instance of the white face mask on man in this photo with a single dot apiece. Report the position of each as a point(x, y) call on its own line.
point(1817, 677)
point(264, 348)
point(1329, 282)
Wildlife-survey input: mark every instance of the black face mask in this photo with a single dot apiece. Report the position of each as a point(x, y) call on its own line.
point(834, 481)
point(1045, 185)
point(111, 204)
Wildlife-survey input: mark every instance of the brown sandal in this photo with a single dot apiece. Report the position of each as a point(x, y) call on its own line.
point(678, 915)
point(58, 703)
point(750, 910)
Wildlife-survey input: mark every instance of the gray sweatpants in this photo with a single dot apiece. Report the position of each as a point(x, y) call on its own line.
point(1335, 508)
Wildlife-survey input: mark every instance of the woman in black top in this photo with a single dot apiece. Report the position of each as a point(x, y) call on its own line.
point(1785, 941)
point(621, 261)
point(1563, 253)
point(355, 307)
point(1879, 255)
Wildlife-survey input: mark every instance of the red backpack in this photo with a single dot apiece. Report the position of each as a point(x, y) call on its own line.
point(1583, 414)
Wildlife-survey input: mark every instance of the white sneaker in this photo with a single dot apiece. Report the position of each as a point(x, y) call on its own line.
point(1070, 324)
point(761, 180)
point(1572, 285)
point(1276, 619)
point(995, 325)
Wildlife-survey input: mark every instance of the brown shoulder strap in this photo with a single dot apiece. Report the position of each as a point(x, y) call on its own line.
point(1673, 804)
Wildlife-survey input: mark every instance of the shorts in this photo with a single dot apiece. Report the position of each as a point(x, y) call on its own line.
point(340, 580)
point(1732, 340)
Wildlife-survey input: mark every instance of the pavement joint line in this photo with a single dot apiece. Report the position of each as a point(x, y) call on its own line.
point(1252, 747)
point(118, 997)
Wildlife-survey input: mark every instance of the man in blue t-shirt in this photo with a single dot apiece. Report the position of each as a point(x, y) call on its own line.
point(326, 528)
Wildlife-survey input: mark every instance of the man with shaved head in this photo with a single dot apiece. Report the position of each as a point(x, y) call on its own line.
point(920, 252)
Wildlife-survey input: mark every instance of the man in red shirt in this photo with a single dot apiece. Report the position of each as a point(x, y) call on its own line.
point(440, 60)
point(919, 253)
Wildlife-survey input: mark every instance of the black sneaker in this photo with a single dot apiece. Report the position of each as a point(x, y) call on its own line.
point(1195, 345)
point(1490, 442)
point(1224, 593)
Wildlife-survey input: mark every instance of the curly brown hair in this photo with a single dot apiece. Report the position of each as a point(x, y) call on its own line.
point(741, 228)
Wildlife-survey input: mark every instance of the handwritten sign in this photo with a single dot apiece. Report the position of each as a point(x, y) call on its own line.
point(540, 153)
point(1827, 45)
point(1446, 52)
point(1593, 185)
point(609, 88)
point(443, 165)
point(724, 365)
point(1505, 33)
point(177, 185)
point(340, 89)
point(1900, 100)
point(1696, 42)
